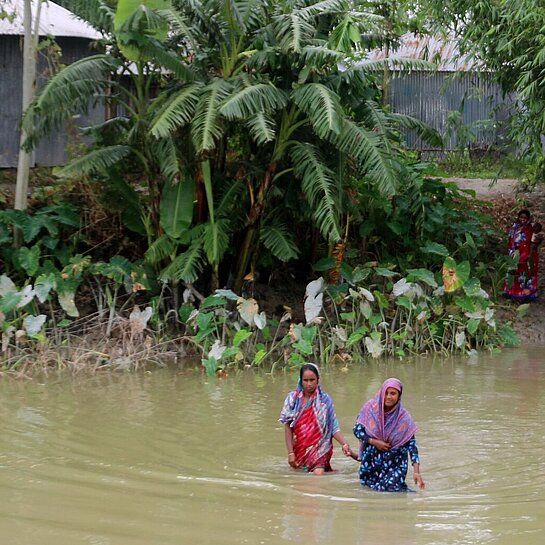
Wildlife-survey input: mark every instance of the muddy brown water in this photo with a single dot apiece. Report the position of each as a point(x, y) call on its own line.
point(170, 458)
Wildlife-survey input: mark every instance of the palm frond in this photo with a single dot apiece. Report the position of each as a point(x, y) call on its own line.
point(230, 199)
point(181, 28)
point(318, 184)
point(185, 267)
point(425, 131)
point(95, 12)
point(251, 99)
point(164, 152)
point(317, 55)
point(253, 13)
point(207, 126)
point(365, 148)
point(70, 91)
point(176, 111)
point(379, 123)
point(215, 239)
point(322, 107)
point(98, 160)
point(160, 249)
point(279, 241)
point(168, 59)
point(262, 128)
point(322, 7)
point(394, 64)
point(293, 32)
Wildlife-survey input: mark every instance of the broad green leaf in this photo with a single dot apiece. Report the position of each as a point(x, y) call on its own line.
point(240, 336)
point(211, 366)
point(359, 274)
point(9, 301)
point(472, 287)
point(356, 336)
point(204, 319)
point(467, 304)
point(176, 209)
point(43, 286)
point(308, 333)
point(132, 14)
point(435, 248)
point(228, 294)
point(296, 359)
point(421, 275)
point(29, 259)
point(185, 311)
point(304, 347)
point(508, 336)
point(381, 271)
point(472, 326)
point(260, 355)
point(212, 301)
point(522, 310)
point(455, 274)
point(381, 299)
point(404, 302)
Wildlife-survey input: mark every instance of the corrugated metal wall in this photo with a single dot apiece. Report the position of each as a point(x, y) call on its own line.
point(431, 96)
point(52, 150)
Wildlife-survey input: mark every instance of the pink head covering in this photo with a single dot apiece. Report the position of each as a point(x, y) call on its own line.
point(396, 426)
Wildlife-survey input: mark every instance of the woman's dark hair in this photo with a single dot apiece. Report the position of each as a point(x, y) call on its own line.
point(525, 212)
point(309, 367)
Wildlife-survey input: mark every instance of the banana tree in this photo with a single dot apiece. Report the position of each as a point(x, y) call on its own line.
point(278, 97)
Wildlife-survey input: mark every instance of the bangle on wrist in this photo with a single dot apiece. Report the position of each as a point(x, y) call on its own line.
point(345, 445)
point(291, 453)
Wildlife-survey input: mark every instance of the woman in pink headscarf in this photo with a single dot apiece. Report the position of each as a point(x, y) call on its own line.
point(386, 432)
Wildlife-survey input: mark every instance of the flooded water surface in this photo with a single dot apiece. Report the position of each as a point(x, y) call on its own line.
point(170, 458)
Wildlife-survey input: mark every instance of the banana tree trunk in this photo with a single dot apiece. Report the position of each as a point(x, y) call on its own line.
point(250, 240)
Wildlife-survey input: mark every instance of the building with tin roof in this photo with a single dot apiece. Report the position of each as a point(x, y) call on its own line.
point(73, 36)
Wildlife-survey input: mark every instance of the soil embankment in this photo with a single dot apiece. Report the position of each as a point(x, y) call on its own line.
point(505, 198)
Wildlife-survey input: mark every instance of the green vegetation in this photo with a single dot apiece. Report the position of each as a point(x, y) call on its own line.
point(244, 139)
point(462, 165)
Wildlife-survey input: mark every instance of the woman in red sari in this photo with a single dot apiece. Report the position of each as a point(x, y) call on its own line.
point(521, 283)
point(310, 424)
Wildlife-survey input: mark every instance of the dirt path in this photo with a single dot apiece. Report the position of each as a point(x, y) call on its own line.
point(487, 188)
point(506, 198)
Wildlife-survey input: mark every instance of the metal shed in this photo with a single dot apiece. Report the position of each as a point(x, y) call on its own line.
point(74, 37)
point(458, 84)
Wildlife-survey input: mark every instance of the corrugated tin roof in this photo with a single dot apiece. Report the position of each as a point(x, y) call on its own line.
point(443, 52)
point(54, 20)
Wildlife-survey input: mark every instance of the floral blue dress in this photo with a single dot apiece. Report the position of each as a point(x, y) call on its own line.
point(385, 471)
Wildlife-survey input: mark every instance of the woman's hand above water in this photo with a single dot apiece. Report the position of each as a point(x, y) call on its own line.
point(292, 461)
point(383, 446)
point(419, 481)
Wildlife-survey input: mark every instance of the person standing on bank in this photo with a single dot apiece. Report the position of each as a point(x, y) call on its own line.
point(521, 283)
point(386, 432)
point(310, 424)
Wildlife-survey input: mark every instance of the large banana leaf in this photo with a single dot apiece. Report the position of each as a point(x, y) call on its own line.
point(176, 211)
point(135, 18)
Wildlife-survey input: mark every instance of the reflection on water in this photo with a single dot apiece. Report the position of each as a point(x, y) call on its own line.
point(170, 457)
